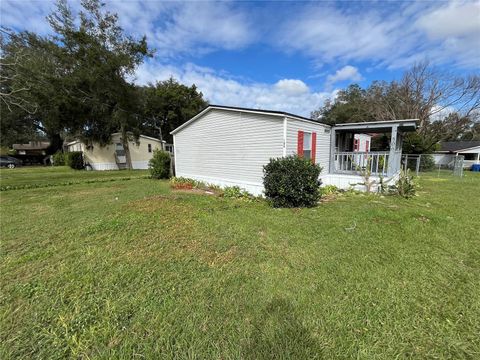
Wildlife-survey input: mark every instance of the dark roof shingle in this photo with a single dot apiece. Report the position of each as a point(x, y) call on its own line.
point(453, 146)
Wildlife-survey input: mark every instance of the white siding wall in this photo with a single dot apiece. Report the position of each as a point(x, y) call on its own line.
point(443, 159)
point(322, 156)
point(228, 148)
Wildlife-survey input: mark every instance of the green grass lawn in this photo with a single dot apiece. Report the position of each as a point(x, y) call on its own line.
point(51, 175)
point(129, 269)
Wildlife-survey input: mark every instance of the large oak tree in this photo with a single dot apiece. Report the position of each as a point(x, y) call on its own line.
point(75, 81)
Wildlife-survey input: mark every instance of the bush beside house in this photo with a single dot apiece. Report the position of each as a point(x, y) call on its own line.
point(159, 164)
point(74, 159)
point(58, 159)
point(292, 181)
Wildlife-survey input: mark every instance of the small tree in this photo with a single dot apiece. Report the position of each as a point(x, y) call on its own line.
point(58, 159)
point(427, 162)
point(74, 159)
point(406, 185)
point(159, 164)
point(292, 181)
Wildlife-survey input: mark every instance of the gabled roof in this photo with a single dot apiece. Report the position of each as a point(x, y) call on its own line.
point(458, 146)
point(279, 114)
point(76, 141)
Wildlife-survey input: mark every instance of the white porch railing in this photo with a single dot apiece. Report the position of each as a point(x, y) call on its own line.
point(377, 162)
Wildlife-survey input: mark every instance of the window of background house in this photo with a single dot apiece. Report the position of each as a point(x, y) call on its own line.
point(149, 148)
point(307, 145)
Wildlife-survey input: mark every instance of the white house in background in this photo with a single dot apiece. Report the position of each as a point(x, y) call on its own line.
point(361, 142)
point(229, 146)
point(112, 156)
point(470, 150)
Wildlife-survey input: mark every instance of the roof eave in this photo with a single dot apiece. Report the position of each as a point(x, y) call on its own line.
point(404, 124)
point(278, 114)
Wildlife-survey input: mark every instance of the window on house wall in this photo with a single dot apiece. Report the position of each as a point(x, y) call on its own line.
point(468, 156)
point(149, 148)
point(119, 149)
point(307, 145)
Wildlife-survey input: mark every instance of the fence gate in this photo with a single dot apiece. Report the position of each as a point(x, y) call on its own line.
point(458, 165)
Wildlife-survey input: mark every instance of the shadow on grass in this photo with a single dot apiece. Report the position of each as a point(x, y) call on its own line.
point(278, 334)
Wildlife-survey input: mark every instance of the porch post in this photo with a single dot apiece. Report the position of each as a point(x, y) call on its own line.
point(331, 165)
point(393, 162)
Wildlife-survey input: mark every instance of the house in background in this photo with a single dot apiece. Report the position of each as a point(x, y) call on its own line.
point(112, 156)
point(35, 152)
point(362, 142)
point(470, 150)
point(228, 146)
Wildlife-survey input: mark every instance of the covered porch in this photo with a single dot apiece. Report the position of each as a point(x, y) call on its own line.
point(347, 158)
point(351, 161)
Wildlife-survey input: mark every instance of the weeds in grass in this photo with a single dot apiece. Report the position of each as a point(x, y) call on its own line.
point(235, 192)
point(182, 183)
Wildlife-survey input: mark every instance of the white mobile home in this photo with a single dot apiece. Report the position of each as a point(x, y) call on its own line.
point(449, 150)
point(229, 146)
point(112, 156)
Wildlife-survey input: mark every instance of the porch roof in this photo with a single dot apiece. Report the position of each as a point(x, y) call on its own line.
point(406, 125)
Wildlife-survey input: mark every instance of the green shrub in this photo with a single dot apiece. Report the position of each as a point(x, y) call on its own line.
point(427, 162)
point(58, 159)
point(74, 159)
point(235, 192)
point(292, 181)
point(159, 164)
point(329, 190)
point(406, 185)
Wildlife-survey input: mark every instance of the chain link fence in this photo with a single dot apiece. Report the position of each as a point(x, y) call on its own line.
point(419, 163)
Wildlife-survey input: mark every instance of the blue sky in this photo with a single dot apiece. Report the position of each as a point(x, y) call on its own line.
point(288, 56)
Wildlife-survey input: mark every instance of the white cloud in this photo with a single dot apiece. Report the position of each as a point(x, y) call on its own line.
point(291, 95)
point(291, 87)
point(454, 20)
point(454, 33)
point(392, 35)
point(28, 14)
point(172, 28)
point(440, 112)
point(175, 28)
point(348, 72)
point(329, 34)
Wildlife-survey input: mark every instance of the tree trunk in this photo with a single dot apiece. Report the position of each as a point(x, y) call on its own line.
point(126, 148)
point(56, 144)
point(160, 134)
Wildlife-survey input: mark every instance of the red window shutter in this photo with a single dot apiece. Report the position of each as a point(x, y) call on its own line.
point(314, 146)
point(367, 145)
point(300, 143)
point(355, 144)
